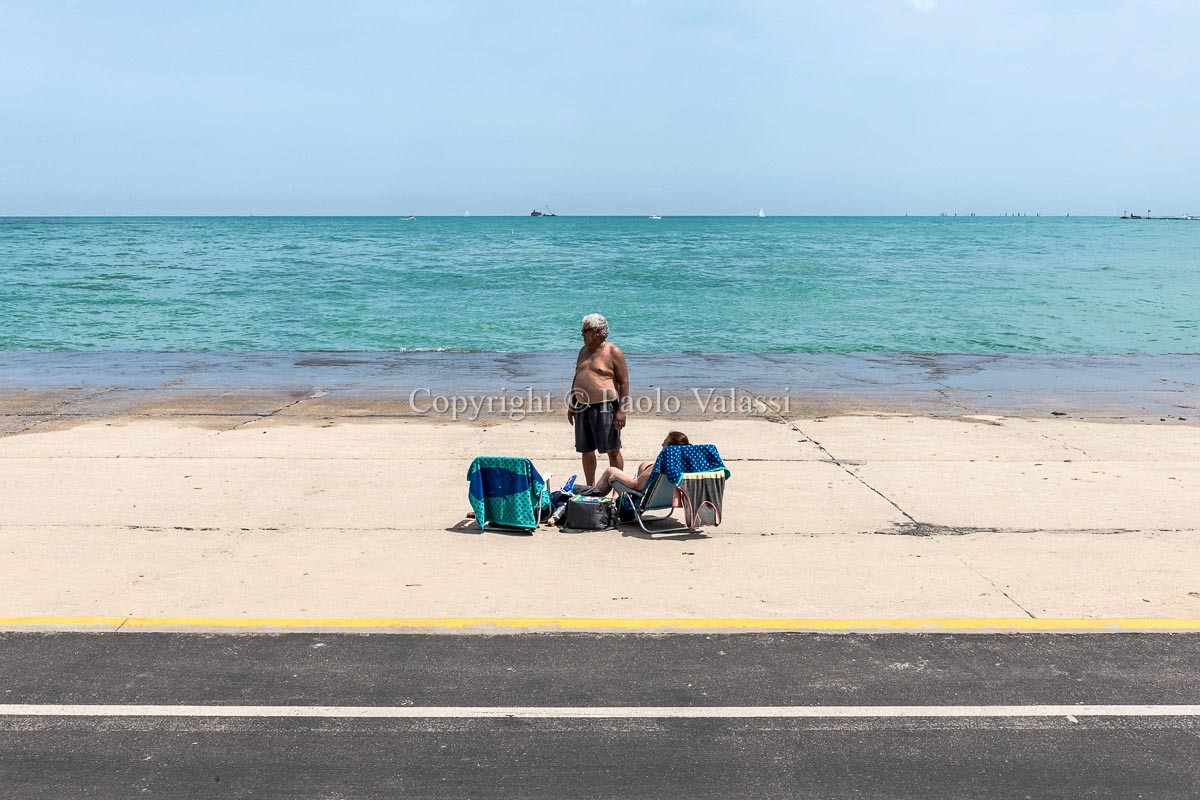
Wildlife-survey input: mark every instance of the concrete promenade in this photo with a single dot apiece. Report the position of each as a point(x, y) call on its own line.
point(330, 518)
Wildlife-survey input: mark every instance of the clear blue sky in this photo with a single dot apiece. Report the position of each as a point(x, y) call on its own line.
point(622, 107)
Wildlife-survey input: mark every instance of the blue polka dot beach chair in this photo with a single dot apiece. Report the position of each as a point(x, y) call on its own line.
point(507, 492)
point(693, 472)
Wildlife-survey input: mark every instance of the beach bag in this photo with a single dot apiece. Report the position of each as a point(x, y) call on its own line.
point(625, 509)
point(590, 514)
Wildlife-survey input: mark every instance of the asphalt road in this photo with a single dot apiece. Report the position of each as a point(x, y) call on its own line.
point(659, 756)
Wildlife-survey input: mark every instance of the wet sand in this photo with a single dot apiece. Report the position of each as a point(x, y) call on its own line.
point(65, 387)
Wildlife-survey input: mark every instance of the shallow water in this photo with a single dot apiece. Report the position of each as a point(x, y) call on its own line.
point(87, 384)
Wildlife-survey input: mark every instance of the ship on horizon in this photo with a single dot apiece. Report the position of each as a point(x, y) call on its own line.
point(1189, 217)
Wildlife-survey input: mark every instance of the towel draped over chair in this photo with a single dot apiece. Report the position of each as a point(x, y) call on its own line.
point(508, 491)
point(697, 474)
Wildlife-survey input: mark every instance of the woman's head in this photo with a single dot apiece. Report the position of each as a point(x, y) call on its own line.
point(675, 437)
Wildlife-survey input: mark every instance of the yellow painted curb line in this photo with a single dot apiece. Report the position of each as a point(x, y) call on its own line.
point(608, 625)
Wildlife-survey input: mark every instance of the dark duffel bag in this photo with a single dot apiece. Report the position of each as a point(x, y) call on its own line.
point(624, 509)
point(590, 514)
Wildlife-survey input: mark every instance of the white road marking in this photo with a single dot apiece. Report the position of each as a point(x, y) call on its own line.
point(593, 712)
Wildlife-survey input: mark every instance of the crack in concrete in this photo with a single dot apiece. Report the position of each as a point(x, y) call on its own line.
point(928, 529)
point(918, 530)
point(1065, 444)
point(272, 414)
point(57, 411)
point(996, 586)
point(787, 460)
point(848, 471)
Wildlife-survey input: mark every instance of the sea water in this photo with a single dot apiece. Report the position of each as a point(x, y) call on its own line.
point(521, 284)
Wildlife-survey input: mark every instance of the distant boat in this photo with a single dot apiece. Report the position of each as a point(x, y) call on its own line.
point(656, 216)
point(761, 213)
point(411, 218)
point(467, 213)
point(546, 213)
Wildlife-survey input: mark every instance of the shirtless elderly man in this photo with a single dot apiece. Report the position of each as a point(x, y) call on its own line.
point(596, 406)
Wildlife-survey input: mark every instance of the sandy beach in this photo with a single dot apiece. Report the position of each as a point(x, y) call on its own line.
point(264, 508)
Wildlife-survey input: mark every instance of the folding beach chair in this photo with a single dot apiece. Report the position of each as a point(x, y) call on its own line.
point(507, 491)
point(697, 471)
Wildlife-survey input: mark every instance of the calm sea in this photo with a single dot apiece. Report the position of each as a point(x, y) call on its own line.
point(802, 284)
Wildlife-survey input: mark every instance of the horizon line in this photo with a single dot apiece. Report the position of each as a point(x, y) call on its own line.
point(938, 215)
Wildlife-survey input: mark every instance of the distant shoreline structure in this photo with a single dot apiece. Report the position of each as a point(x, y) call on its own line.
point(1184, 217)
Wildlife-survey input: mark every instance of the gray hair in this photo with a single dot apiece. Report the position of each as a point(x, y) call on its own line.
point(596, 322)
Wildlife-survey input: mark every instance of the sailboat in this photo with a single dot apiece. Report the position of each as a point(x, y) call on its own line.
point(467, 213)
point(761, 214)
point(656, 215)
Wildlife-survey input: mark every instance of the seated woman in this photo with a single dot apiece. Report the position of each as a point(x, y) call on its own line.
point(604, 484)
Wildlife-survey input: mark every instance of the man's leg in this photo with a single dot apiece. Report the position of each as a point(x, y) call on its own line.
point(589, 468)
point(585, 443)
point(608, 438)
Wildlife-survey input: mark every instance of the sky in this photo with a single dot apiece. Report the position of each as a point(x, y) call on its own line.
point(599, 107)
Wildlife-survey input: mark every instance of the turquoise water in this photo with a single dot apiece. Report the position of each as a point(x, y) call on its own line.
point(804, 284)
